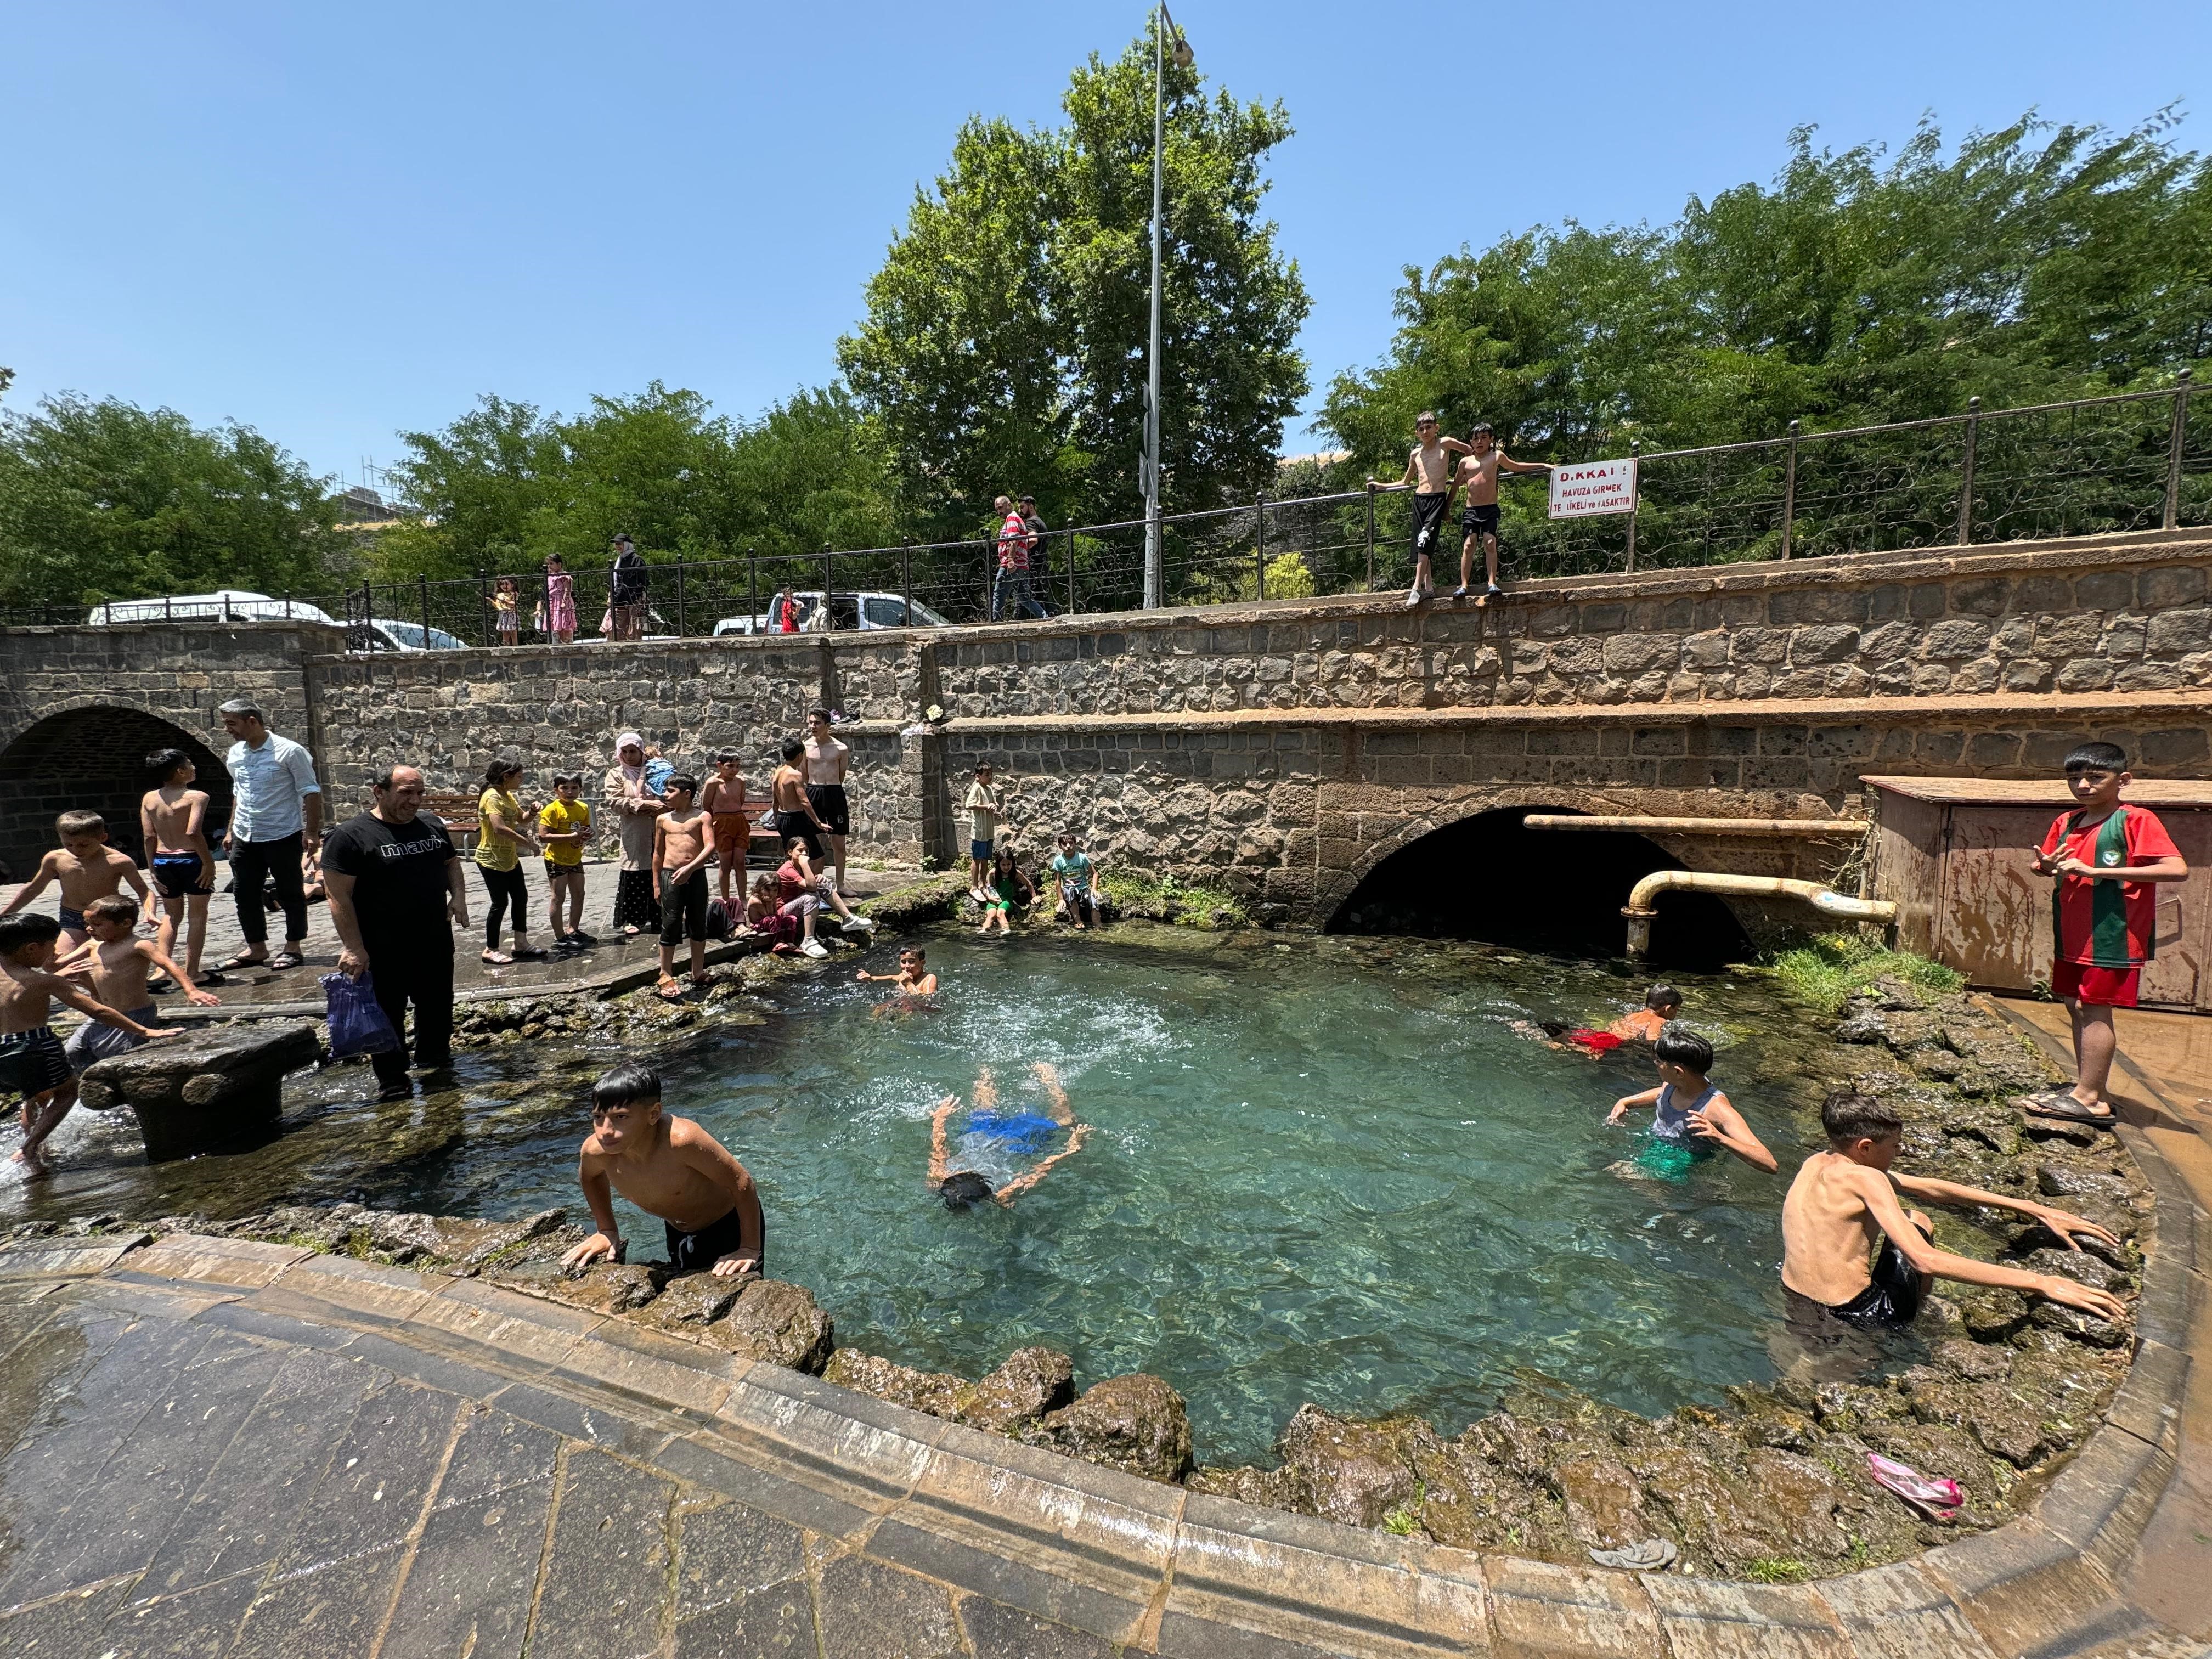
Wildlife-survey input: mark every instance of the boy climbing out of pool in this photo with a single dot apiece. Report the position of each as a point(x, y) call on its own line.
point(85, 867)
point(31, 1061)
point(2108, 857)
point(119, 964)
point(982, 1166)
point(1692, 1115)
point(670, 1168)
point(912, 979)
point(1844, 1204)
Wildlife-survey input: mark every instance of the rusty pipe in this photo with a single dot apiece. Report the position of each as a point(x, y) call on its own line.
point(1642, 901)
point(1702, 826)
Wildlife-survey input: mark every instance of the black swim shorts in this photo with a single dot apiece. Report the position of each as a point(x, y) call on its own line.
point(31, 1062)
point(694, 1253)
point(1892, 1300)
point(683, 907)
point(1479, 520)
point(831, 806)
point(177, 875)
point(1428, 522)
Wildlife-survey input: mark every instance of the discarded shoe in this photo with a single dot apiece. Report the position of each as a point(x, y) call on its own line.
point(1652, 1555)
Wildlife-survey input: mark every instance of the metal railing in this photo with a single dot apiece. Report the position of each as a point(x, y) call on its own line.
point(2130, 461)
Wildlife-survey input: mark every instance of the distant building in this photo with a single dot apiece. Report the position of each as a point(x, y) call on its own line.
point(362, 505)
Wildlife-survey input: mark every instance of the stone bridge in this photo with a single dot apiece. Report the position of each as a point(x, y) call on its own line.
point(1320, 755)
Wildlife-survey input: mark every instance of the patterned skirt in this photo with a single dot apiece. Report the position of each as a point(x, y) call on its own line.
point(636, 904)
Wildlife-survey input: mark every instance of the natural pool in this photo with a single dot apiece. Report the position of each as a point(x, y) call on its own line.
point(1322, 1169)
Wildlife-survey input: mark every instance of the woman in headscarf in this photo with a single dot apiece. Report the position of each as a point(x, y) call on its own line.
point(634, 807)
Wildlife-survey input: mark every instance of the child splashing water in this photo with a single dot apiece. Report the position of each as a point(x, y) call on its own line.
point(984, 1164)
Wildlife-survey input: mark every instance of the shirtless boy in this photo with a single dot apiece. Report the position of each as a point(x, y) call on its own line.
point(670, 1168)
point(1477, 474)
point(912, 979)
point(723, 800)
point(1844, 1202)
point(119, 964)
point(86, 867)
point(1661, 1004)
point(1429, 475)
point(682, 839)
point(794, 811)
point(31, 1061)
point(173, 823)
point(826, 761)
point(983, 1164)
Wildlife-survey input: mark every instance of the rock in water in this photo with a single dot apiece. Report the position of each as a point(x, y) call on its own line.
point(211, 1091)
point(1136, 1423)
point(777, 1324)
point(937, 1393)
point(1032, 1382)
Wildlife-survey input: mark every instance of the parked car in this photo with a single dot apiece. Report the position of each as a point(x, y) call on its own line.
point(388, 634)
point(848, 612)
point(225, 605)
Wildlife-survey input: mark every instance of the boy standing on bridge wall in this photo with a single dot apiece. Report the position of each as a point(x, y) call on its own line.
point(1429, 475)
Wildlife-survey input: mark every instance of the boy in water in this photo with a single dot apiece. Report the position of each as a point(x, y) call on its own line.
point(119, 964)
point(2107, 857)
point(31, 1060)
point(983, 1167)
point(670, 1168)
point(723, 800)
point(1477, 474)
point(1661, 1004)
point(173, 823)
point(564, 825)
point(1844, 1203)
point(86, 867)
point(1692, 1118)
point(681, 843)
point(1429, 475)
point(912, 979)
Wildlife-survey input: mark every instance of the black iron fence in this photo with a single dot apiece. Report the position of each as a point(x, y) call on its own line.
point(2131, 461)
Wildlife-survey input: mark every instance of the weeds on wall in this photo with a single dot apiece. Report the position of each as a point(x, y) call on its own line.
point(1835, 967)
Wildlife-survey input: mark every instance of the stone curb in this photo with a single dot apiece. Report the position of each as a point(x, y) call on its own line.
point(1155, 1567)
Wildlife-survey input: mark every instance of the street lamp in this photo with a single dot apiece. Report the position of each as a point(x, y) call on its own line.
point(1163, 26)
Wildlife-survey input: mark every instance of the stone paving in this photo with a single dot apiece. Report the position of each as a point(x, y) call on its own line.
point(216, 1447)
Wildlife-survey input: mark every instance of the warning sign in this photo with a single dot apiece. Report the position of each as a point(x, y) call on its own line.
point(1589, 487)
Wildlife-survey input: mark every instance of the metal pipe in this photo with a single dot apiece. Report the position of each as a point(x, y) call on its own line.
point(1703, 826)
point(1641, 906)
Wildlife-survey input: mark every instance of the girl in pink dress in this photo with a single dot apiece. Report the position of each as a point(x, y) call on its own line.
point(560, 602)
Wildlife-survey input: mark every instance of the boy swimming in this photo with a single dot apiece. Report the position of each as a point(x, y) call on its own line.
point(670, 1168)
point(983, 1164)
point(1662, 1004)
point(1844, 1202)
point(1692, 1119)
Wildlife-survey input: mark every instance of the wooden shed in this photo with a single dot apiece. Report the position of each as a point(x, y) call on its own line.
point(1954, 854)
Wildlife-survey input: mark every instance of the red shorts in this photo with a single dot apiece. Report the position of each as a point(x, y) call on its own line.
point(2094, 987)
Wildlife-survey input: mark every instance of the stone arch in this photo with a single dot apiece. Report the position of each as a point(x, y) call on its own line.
point(91, 754)
point(1481, 874)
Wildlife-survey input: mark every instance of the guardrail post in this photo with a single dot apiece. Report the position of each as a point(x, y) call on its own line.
point(1635, 501)
point(906, 576)
point(1966, 474)
point(1069, 555)
point(1789, 488)
point(425, 582)
point(168, 607)
point(679, 598)
point(1260, 541)
point(1370, 538)
point(2171, 519)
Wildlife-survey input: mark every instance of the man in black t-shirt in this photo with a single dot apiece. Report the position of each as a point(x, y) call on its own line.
point(395, 887)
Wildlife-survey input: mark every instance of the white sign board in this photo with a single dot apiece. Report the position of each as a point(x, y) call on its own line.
point(1589, 487)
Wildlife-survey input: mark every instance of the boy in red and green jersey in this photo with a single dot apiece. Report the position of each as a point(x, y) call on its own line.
point(2108, 858)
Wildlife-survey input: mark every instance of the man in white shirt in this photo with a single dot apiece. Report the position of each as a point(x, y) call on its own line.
point(276, 817)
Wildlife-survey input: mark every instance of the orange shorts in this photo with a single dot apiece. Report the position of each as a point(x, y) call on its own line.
point(2095, 987)
point(733, 833)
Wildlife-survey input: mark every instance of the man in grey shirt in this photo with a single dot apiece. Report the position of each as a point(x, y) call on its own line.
point(276, 817)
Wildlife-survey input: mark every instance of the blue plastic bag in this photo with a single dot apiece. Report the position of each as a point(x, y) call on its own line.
point(357, 1024)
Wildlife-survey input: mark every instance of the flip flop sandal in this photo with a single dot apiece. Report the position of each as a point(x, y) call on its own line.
point(1652, 1555)
point(1936, 1499)
point(2067, 1110)
point(496, 959)
point(284, 959)
point(533, 954)
point(240, 962)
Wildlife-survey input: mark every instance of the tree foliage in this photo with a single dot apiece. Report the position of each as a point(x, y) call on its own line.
point(1003, 345)
point(101, 500)
point(2031, 263)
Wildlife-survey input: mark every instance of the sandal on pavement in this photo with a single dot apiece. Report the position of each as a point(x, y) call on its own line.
point(496, 959)
point(284, 959)
point(2060, 1104)
point(528, 953)
point(243, 959)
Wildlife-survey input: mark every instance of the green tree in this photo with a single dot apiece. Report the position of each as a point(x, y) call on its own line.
point(105, 501)
point(1004, 346)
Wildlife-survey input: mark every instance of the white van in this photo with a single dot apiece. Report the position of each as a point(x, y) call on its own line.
point(225, 605)
point(389, 633)
point(848, 612)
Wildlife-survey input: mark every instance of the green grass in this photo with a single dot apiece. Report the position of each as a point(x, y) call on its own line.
point(1835, 967)
point(1198, 900)
point(1777, 1570)
point(1406, 1519)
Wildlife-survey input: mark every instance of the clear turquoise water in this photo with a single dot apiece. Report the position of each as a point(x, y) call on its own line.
point(1324, 1170)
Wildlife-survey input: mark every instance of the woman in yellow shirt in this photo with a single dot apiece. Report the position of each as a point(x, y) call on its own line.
point(499, 838)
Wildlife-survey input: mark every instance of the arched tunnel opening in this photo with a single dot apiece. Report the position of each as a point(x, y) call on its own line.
point(93, 759)
point(1492, 878)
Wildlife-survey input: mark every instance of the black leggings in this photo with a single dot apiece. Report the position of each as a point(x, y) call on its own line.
point(501, 888)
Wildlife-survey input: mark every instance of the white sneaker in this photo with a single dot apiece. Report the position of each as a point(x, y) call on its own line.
point(812, 948)
point(865, 924)
point(1413, 598)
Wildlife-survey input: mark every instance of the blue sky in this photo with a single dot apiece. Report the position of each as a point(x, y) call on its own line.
point(335, 223)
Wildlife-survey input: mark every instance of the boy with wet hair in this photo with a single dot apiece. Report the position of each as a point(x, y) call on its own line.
point(120, 965)
point(669, 1168)
point(994, 1140)
point(173, 823)
point(1691, 1117)
point(85, 867)
point(682, 842)
point(1844, 1204)
point(912, 979)
point(1662, 1003)
point(2108, 857)
point(31, 1061)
